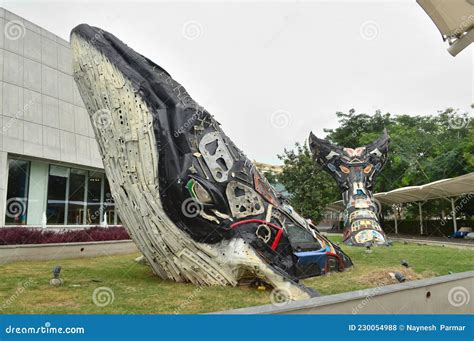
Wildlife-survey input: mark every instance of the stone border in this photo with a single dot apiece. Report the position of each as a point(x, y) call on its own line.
point(456, 245)
point(449, 294)
point(447, 243)
point(35, 252)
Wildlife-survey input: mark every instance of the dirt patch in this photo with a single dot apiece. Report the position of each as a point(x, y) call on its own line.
point(383, 277)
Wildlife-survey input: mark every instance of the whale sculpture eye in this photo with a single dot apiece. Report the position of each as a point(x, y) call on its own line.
point(367, 169)
point(344, 169)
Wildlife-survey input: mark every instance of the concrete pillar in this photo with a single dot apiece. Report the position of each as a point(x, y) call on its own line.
point(396, 224)
point(455, 224)
point(3, 185)
point(421, 217)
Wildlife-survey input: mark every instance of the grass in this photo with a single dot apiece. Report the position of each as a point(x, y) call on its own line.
point(371, 269)
point(25, 288)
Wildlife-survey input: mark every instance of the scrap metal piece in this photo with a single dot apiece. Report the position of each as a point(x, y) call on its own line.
point(263, 187)
point(209, 217)
point(264, 233)
point(216, 155)
point(243, 200)
point(222, 215)
point(198, 192)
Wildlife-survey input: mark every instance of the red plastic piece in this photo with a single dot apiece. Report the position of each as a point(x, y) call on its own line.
point(258, 221)
point(339, 259)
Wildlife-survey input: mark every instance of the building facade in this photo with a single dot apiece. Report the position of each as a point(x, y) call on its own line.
point(51, 171)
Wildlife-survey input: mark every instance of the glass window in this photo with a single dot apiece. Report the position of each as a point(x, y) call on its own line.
point(119, 221)
point(94, 198)
point(17, 192)
point(109, 204)
point(76, 197)
point(57, 189)
point(301, 239)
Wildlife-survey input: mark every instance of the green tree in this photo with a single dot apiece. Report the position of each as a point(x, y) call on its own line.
point(311, 188)
point(422, 149)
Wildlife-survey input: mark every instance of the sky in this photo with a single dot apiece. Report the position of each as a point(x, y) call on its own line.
point(271, 72)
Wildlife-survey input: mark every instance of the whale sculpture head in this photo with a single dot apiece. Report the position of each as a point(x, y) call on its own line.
point(355, 171)
point(195, 205)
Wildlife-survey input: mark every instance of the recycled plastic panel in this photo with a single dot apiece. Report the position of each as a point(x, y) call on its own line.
point(186, 194)
point(355, 171)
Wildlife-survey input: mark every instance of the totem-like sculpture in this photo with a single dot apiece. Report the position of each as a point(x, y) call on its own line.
point(196, 207)
point(355, 171)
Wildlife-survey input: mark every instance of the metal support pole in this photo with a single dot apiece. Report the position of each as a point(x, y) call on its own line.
point(396, 224)
point(455, 224)
point(421, 218)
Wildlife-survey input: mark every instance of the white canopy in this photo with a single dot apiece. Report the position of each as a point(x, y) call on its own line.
point(454, 19)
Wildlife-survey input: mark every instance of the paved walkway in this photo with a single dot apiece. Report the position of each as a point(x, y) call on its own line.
point(434, 240)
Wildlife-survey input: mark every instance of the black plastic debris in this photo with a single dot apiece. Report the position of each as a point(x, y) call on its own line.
point(400, 277)
point(56, 280)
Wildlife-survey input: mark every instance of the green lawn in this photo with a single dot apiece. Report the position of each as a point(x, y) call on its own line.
point(24, 286)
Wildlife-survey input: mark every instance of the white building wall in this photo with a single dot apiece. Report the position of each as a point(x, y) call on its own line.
point(41, 112)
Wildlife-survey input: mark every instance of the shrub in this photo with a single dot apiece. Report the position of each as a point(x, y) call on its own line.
point(27, 235)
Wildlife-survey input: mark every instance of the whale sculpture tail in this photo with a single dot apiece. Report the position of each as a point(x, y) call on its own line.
point(196, 207)
point(355, 171)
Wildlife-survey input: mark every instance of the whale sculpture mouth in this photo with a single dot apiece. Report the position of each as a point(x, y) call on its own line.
point(196, 207)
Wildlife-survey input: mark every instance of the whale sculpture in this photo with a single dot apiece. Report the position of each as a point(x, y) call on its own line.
point(195, 205)
point(355, 171)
